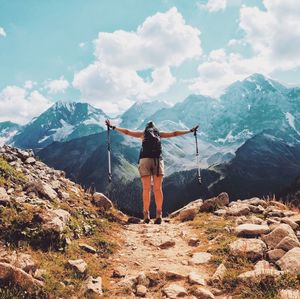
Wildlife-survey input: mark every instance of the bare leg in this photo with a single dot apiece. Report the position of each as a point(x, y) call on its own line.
point(146, 181)
point(158, 194)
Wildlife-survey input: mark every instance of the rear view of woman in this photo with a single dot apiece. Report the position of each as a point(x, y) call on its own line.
point(151, 164)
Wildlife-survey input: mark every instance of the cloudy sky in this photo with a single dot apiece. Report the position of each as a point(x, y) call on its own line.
point(111, 53)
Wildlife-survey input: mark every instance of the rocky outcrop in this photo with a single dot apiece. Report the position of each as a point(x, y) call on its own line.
point(215, 203)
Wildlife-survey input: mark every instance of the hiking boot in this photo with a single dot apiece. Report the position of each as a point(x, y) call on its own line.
point(158, 220)
point(146, 217)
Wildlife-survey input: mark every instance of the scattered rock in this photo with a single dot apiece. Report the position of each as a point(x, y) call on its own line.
point(93, 286)
point(101, 201)
point(193, 242)
point(214, 203)
point(275, 254)
point(172, 275)
point(259, 275)
point(196, 204)
point(188, 214)
point(220, 212)
point(290, 262)
point(288, 243)
point(30, 160)
point(133, 220)
point(256, 209)
point(195, 278)
point(19, 278)
point(251, 230)
point(142, 279)
point(174, 291)
point(79, 265)
point(87, 248)
point(255, 201)
point(200, 258)
point(203, 293)
point(251, 248)
point(295, 218)
point(219, 274)
point(289, 294)
point(141, 290)
point(263, 265)
point(274, 237)
point(238, 210)
point(290, 222)
point(4, 197)
point(167, 244)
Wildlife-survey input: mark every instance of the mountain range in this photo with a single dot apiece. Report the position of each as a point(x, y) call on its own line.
point(248, 137)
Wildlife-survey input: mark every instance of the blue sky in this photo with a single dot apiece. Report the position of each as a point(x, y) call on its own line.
point(112, 53)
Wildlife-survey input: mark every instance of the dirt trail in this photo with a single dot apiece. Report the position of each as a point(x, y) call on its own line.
point(144, 251)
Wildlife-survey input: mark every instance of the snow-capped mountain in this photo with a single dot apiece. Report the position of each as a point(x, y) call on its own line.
point(7, 130)
point(61, 122)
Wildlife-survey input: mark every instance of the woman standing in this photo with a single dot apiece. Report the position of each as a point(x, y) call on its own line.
point(151, 164)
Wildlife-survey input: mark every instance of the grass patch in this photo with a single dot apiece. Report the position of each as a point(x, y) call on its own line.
point(8, 173)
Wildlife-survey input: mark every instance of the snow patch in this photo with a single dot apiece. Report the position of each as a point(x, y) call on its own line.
point(63, 132)
point(291, 121)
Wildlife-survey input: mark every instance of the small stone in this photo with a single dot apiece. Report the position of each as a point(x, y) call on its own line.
point(87, 248)
point(220, 212)
point(219, 274)
point(40, 274)
point(200, 258)
point(93, 286)
point(193, 242)
point(263, 265)
point(4, 197)
point(256, 209)
point(141, 290)
point(142, 279)
point(203, 293)
point(195, 278)
point(289, 294)
point(251, 230)
point(133, 220)
point(174, 291)
point(172, 275)
point(167, 244)
point(259, 275)
point(80, 265)
point(30, 160)
point(188, 214)
point(275, 254)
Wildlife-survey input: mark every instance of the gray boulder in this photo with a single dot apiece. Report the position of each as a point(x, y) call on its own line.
point(101, 201)
point(290, 262)
point(251, 248)
point(251, 230)
point(281, 231)
point(215, 203)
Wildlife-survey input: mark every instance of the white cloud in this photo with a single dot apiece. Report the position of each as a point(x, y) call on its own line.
point(81, 45)
point(162, 41)
point(213, 5)
point(19, 105)
point(272, 34)
point(29, 84)
point(56, 86)
point(2, 32)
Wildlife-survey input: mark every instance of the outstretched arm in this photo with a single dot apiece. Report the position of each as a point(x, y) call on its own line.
point(136, 134)
point(177, 133)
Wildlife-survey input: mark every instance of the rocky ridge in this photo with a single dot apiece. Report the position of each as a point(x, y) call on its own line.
point(58, 241)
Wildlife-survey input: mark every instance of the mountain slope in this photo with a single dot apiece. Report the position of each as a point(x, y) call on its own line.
point(61, 122)
point(7, 130)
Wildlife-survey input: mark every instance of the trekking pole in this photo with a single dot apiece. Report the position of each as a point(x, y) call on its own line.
point(109, 156)
point(197, 157)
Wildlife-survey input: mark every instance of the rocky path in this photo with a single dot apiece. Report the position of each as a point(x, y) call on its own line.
point(157, 261)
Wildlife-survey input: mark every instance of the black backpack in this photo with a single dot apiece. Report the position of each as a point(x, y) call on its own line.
point(151, 146)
